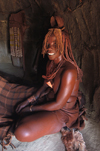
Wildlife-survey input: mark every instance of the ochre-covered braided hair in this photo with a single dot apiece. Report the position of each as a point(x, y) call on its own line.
point(64, 47)
point(57, 33)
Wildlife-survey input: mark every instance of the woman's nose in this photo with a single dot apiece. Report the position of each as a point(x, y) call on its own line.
point(49, 49)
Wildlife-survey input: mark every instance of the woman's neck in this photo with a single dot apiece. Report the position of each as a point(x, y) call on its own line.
point(57, 60)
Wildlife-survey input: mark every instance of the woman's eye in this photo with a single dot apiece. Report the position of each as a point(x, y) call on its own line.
point(48, 45)
point(51, 45)
point(54, 44)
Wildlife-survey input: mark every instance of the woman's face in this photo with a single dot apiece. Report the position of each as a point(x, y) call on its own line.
point(52, 50)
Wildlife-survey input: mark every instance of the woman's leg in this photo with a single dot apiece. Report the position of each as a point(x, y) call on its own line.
point(37, 125)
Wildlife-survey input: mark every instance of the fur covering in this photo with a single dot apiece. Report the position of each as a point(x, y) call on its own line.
point(73, 140)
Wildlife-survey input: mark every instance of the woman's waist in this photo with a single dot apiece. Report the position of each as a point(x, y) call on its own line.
point(72, 98)
point(71, 103)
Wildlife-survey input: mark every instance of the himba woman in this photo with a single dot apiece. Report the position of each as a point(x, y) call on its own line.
point(59, 94)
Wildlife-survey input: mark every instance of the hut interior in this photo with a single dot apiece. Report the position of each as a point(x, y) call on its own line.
point(82, 21)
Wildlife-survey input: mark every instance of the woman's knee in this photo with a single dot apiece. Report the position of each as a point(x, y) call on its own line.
point(22, 134)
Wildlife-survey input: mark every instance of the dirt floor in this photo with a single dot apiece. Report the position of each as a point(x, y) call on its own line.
point(47, 143)
point(91, 135)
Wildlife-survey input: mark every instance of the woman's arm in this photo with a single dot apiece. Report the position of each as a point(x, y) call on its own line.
point(32, 99)
point(67, 84)
point(38, 93)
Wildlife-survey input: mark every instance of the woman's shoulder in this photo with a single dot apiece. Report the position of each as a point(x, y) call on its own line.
point(69, 69)
point(69, 66)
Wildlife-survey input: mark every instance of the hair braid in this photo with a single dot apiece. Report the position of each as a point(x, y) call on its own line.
point(58, 34)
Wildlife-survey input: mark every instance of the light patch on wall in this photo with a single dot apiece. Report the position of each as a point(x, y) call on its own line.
point(4, 55)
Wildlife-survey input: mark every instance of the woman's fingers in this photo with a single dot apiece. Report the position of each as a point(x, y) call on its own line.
point(18, 109)
point(26, 109)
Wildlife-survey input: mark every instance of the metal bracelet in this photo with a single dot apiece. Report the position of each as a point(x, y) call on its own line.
point(31, 99)
point(31, 108)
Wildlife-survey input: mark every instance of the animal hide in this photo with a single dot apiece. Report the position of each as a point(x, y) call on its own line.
point(73, 140)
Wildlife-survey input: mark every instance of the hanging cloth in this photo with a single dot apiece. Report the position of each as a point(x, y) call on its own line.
point(17, 27)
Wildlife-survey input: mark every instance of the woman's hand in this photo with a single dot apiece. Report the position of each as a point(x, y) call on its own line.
point(21, 106)
point(28, 109)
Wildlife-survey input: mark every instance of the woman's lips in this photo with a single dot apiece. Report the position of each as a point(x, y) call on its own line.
point(50, 54)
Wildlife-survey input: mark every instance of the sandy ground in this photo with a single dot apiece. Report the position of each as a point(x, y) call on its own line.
point(47, 143)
